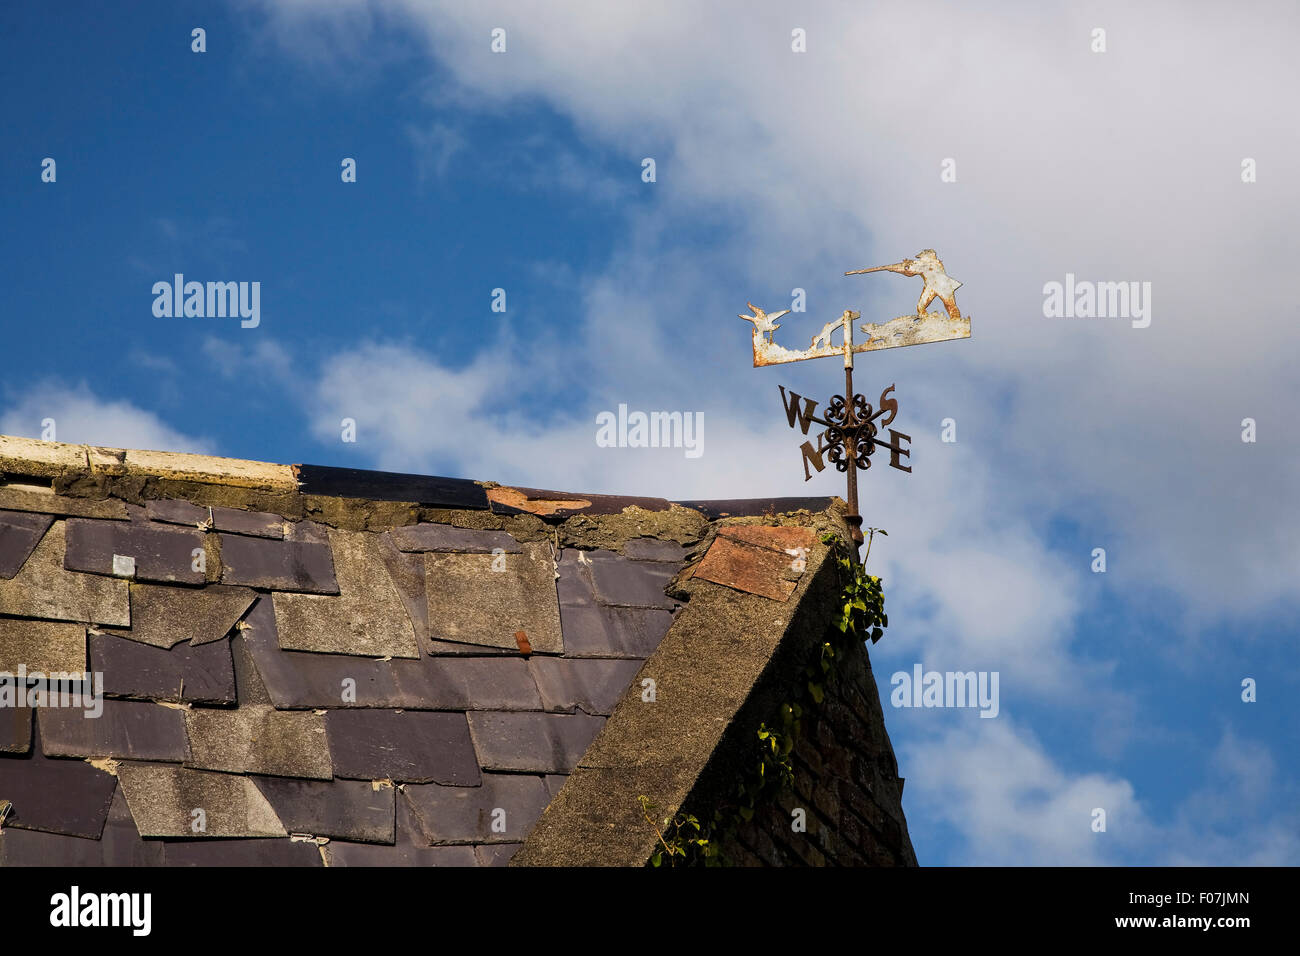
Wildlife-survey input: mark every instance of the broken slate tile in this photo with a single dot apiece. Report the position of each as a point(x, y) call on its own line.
point(46, 646)
point(445, 537)
point(339, 809)
point(258, 739)
point(15, 725)
point(409, 850)
point(296, 680)
point(470, 603)
point(409, 747)
point(367, 619)
point(58, 796)
point(35, 848)
point(627, 583)
point(203, 675)
point(166, 616)
point(573, 586)
point(533, 743)
point(126, 730)
point(597, 631)
point(468, 814)
point(654, 549)
point(288, 565)
point(406, 571)
point(43, 589)
point(20, 532)
point(159, 554)
point(592, 685)
point(163, 799)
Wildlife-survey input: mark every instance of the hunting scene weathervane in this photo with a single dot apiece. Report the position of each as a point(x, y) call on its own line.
point(850, 427)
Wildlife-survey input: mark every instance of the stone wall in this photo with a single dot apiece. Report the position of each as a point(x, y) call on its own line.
point(846, 781)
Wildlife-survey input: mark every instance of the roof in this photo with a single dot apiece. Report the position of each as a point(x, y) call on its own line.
point(313, 665)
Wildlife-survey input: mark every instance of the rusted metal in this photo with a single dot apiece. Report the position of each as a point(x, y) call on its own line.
point(849, 434)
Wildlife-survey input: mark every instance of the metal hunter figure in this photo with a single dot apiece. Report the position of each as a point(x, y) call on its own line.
point(938, 284)
point(850, 427)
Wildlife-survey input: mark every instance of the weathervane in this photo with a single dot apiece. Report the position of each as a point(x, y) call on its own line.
point(849, 435)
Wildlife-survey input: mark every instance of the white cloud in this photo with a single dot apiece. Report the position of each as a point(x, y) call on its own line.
point(82, 417)
point(1012, 805)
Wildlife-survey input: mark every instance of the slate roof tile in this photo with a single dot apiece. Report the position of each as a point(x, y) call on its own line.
point(654, 549)
point(289, 565)
point(476, 814)
point(159, 554)
point(445, 537)
point(471, 603)
point(127, 729)
point(532, 743)
point(203, 674)
point(46, 646)
point(165, 616)
point(44, 500)
point(43, 589)
point(339, 809)
point(256, 523)
point(119, 844)
point(164, 797)
point(242, 853)
point(592, 685)
point(15, 727)
point(20, 532)
point(175, 511)
point(258, 739)
point(368, 618)
point(295, 679)
point(630, 583)
point(754, 507)
point(497, 854)
point(410, 747)
point(391, 486)
point(613, 631)
point(55, 795)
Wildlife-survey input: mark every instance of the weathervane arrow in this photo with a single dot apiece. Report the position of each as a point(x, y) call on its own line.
point(850, 428)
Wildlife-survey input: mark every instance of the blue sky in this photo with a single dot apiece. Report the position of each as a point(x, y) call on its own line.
point(775, 170)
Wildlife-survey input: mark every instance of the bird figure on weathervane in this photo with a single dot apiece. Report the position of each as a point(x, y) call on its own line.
point(764, 324)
